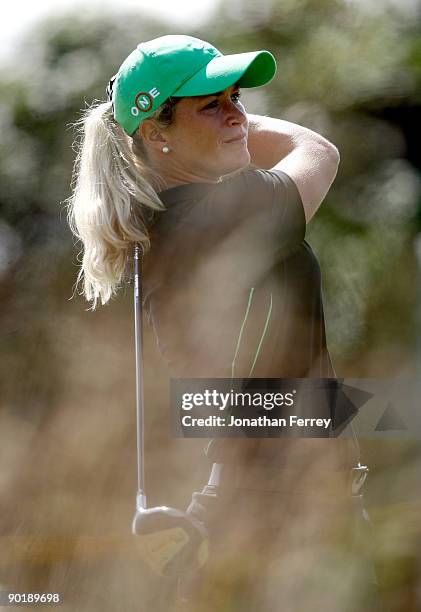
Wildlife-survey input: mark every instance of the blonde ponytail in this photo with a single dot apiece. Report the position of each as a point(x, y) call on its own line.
point(113, 201)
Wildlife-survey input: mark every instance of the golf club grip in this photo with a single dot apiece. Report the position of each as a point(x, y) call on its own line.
point(139, 374)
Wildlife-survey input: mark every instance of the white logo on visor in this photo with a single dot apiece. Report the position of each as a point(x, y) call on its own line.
point(144, 100)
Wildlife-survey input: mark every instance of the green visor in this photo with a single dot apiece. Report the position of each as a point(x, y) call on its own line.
point(250, 69)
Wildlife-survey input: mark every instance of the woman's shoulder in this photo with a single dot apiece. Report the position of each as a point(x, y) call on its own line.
point(261, 179)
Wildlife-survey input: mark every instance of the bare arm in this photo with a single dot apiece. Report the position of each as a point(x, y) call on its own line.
point(307, 157)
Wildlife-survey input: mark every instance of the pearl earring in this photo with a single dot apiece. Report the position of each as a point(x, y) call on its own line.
point(165, 149)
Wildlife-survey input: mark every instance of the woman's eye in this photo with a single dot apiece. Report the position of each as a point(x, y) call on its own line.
point(213, 104)
point(235, 97)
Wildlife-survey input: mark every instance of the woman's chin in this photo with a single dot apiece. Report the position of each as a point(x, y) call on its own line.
point(238, 162)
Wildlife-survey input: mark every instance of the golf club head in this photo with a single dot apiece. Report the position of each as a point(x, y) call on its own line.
point(173, 541)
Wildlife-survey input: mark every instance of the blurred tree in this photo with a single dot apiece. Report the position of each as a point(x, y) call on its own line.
point(64, 64)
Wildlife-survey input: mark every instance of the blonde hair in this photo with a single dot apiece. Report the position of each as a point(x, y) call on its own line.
point(113, 198)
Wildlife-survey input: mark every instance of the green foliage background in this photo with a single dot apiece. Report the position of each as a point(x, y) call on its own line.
point(350, 71)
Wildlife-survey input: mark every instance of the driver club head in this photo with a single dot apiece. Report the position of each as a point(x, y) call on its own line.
point(173, 541)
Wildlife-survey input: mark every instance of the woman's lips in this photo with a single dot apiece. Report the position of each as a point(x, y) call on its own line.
point(237, 140)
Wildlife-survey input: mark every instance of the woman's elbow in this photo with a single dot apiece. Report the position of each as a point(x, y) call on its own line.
point(334, 152)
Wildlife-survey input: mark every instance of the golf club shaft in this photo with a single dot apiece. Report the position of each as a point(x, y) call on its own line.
point(141, 497)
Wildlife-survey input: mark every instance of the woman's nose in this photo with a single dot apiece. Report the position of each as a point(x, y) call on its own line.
point(234, 114)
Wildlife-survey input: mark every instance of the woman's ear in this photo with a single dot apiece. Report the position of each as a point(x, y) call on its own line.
point(151, 135)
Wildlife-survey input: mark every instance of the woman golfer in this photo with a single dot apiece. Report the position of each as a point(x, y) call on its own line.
point(219, 200)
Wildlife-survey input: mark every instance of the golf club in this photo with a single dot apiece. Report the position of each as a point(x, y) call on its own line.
point(173, 541)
